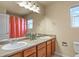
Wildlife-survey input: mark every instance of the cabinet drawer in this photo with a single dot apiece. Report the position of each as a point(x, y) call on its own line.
point(49, 42)
point(29, 51)
point(41, 45)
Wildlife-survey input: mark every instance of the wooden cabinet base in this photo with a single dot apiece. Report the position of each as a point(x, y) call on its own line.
point(19, 54)
point(32, 55)
point(41, 50)
point(31, 52)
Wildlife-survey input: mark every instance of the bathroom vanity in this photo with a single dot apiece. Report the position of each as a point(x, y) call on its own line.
point(41, 47)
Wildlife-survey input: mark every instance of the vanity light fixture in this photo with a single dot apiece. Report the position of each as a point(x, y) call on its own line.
point(29, 5)
point(21, 4)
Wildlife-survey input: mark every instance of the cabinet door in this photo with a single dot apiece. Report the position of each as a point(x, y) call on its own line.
point(19, 54)
point(49, 48)
point(30, 52)
point(41, 50)
point(53, 46)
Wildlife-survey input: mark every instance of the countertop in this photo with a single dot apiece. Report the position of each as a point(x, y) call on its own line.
point(4, 53)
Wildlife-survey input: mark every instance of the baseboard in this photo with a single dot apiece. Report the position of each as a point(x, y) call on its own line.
point(61, 55)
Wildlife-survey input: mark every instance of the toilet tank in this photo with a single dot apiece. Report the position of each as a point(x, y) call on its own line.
point(76, 46)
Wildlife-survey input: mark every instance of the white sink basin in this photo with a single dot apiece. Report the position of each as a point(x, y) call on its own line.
point(12, 46)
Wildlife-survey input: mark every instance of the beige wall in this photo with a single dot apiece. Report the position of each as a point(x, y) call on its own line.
point(59, 14)
point(57, 21)
point(2, 10)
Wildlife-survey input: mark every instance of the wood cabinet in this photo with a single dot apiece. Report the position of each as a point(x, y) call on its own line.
point(49, 48)
point(44, 49)
point(31, 52)
point(32, 55)
point(41, 50)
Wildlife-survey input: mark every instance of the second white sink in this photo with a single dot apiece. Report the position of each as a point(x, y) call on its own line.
point(12, 46)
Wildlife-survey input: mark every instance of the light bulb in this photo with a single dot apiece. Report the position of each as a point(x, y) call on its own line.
point(34, 7)
point(30, 4)
point(38, 8)
point(26, 7)
point(22, 4)
point(37, 11)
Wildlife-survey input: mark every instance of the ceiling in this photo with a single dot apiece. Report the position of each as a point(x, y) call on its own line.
point(13, 8)
point(46, 3)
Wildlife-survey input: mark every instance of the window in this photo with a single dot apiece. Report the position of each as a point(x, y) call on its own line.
point(74, 13)
point(30, 23)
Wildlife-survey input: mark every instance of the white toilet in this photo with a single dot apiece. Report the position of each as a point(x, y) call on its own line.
point(76, 48)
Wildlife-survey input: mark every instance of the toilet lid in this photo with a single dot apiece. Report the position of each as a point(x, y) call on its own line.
point(77, 55)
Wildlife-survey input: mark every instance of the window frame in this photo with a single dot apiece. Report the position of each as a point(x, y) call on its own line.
point(72, 17)
point(30, 23)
